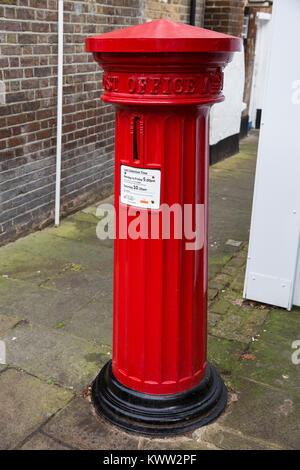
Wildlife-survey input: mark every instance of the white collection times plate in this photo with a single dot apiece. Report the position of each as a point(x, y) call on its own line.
point(140, 187)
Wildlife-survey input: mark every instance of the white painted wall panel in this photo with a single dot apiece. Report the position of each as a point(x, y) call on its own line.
point(225, 117)
point(260, 65)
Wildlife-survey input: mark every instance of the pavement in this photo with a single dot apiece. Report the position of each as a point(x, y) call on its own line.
point(56, 322)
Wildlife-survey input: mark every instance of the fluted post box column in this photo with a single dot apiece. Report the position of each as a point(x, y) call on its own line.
point(162, 78)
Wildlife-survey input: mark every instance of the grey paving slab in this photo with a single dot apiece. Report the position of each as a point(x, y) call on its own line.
point(176, 443)
point(82, 231)
point(228, 439)
point(39, 305)
point(271, 364)
point(93, 256)
point(7, 323)
point(26, 259)
point(94, 322)
point(42, 255)
point(264, 412)
point(85, 282)
point(26, 403)
point(236, 322)
point(282, 325)
point(77, 426)
point(40, 441)
point(54, 355)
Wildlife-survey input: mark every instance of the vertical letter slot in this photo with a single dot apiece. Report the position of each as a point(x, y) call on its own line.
point(137, 136)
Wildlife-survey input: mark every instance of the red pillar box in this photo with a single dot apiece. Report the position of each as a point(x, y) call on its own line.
point(162, 77)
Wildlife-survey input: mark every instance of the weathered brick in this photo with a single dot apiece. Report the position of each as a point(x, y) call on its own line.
point(4, 62)
point(8, 25)
point(225, 16)
point(8, 2)
point(12, 73)
point(5, 133)
point(41, 27)
point(25, 14)
point(9, 50)
point(27, 38)
point(42, 71)
point(15, 97)
point(38, 3)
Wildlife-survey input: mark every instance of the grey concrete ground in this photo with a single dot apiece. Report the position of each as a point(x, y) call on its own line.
point(56, 322)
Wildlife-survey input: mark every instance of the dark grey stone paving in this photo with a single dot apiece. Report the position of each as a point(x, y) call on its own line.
point(26, 403)
point(39, 305)
point(54, 355)
point(7, 323)
point(265, 413)
point(93, 322)
point(40, 441)
point(77, 426)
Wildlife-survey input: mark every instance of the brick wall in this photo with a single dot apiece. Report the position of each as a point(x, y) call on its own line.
point(176, 10)
point(28, 119)
point(28, 72)
point(225, 16)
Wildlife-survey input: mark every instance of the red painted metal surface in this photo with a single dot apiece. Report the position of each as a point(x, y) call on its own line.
point(162, 36)
point(160, 287)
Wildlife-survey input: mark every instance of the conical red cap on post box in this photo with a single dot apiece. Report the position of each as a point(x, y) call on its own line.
point(163, 36)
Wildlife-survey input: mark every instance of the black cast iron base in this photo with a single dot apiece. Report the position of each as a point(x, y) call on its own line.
point(159, 414)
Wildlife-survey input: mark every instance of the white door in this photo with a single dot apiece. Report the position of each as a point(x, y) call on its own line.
point(273, 270)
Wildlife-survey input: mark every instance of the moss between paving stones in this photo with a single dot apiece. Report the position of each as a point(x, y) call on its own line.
point(212, 320)
point(85, 217)
point(230, 270)
point(219, 259)
point(75, 229)
point(221, 306)
point(237, 261)
point(43, 255)
point(23, 260)
point(239, 326)
point(212, 293)
point(230, 328)
point(224, 354)
point(282, 324)
point(230, 317)
point(272, 365)
point(238, 282)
